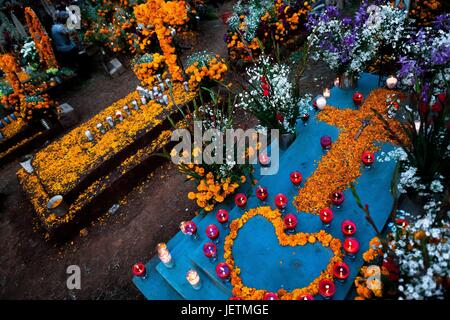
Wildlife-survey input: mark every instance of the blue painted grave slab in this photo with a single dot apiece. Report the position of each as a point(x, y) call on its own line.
point(264, 263)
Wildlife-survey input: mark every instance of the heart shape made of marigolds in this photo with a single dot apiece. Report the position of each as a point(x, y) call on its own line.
point(265, 259)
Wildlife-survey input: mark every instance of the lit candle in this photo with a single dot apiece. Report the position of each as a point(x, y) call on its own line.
point(325, 142)
point(110, 121)
point(296, 178)
point(341, 272)
point(351, 247)
point(193, 278)
point(326, 216)
point(348, 228)
point(417, 125)
point(290, 222)
point(119, 116)
point(305, 118)
point(270, 296)
point(281, 201)
point(326, 93)
point(391, 82)
point(139, 270)
point(305, 297)
point(186, 86)
point(327, 288)
point(358, 98)
point(135, 104)
point(164, 255)
point(368, 158)
point(240, 200)
point(261, 193)
point(127, 110)
point(101, 128)
point(321, 102)
point(223, 271)
point(222, 216)
point(89, 135)
point(212, 232)
point(336, 82)
point(337, 198)
point(264, 159)
point(189, 228)
point(210, 251)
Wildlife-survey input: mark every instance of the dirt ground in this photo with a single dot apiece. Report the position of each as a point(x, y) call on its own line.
point(31, 268)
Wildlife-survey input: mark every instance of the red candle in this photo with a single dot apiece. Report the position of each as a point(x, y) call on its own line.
point(270, 296)
point(368, 158)
point(222, 216)
point(264, 159)
point(348, 228)
point(296, 178)
point(188, 227)
point(212, 231)
point(325, 142)
point(223, 271)
point(281, 201)
point(305, 297)
point(240, 199)
point(139, 270)
point(261, 193)
point(337, 198)
point(305, 118)
point(210, 250)
point(327, 288)
point(326, 215)
point(351, 246)
point(341, 271)
point(290, 221)
point(358, 98)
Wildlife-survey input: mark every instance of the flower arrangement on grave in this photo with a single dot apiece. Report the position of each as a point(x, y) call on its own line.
point(268, 22)
point(350, 44)
point(269, 95)
point(41, 39)
point(214, 180)
point(147, 66)
point(203, 67)
point(30, 56)
point(34, 108)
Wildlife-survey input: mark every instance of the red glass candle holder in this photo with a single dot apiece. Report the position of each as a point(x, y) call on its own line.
point(341, 271)
point(290, 223)
point(325, 142)
point(305, 297)
point(261, 193)
point(240, 200)
point(189, 228)
point(326, 216)
point(358, 99)
point(139, 270)
point(210, 251)
point(281, 201)
point(337, 198)
point(296, 178)
point(327, 288)
point(351, 248)
point(305, 118)
point(223, 271)
point(270, 296)
point(368, 158)
point(348, 228)
point(222, 217)
point(212, 232)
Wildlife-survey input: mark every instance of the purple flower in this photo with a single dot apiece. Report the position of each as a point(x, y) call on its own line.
point(361, 15)
point(443, 22)
point(347, 21)
point(440, 55)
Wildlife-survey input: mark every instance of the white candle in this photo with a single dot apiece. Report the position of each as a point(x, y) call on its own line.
point(186, 86)
point(162, 87)
point(135, 104)
point(193, 278)
point(127, 110)
point(321, 102)
point(336, 82)
point(119, 116)
point(326, 93)
point(165, 99)
point(150, 95)
point(164, 255)
point(110, 121)
point(391, 82)
point(143, 100)
point(101, 128)
point(89, 135)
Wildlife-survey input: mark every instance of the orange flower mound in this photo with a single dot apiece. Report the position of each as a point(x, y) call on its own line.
point(374, 250)
point(215, 69)
point(73, 155)
point(160, 13)
point(240, 290)
point(146, 71)
point(341, 165)
point(41, 39)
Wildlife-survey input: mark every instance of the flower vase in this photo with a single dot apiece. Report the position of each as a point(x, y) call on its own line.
point(347, 81)
point(286, 139)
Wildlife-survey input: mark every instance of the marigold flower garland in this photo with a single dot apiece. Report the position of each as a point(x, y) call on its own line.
point(240, 290)
point(11, 68)
point(341, 165)
point(41, 39)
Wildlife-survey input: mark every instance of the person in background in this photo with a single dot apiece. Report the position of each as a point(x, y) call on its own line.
point(67, 52)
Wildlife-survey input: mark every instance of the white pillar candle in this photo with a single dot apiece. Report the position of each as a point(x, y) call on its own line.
point(158, 76)
point(89, 135)
point(165, 99)
point(164, 255)
point(135, 104)
point(391, 82)
point(186, 86)
point(326, 93)
point(119, 116)
point(110, 121)
point(127, 110)
point(101, 128)
point(193, 278)
point(162, 87)
point(321, 102)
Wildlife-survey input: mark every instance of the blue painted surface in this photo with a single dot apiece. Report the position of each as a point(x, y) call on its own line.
point(264, 263)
